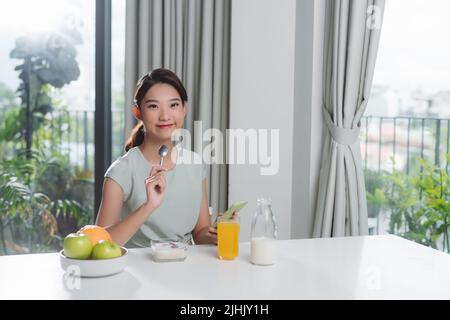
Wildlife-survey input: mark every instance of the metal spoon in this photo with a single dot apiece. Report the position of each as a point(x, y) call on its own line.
point(162, 153)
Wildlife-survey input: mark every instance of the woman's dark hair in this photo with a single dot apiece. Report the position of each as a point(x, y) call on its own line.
point(144, 84)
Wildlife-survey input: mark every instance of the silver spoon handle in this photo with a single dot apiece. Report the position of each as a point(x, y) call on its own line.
point(161, 161)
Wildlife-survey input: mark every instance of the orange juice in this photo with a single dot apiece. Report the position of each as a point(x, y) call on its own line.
point(228, 239)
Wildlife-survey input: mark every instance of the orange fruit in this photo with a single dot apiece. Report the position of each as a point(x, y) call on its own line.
point(95, 233)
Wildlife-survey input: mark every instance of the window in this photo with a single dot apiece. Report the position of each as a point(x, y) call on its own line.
point(405, 131)
point(117, 78)
point(47, 96)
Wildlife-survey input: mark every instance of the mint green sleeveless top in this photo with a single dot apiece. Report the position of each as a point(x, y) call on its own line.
point(178, 213)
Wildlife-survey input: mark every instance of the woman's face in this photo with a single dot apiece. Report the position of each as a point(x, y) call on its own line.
point(162, 111)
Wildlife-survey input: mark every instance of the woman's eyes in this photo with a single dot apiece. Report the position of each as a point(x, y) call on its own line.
point(154, 106)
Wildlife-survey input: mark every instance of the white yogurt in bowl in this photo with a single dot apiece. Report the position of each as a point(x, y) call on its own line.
point(168, 250)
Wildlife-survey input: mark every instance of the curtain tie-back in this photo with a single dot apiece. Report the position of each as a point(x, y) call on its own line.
point(340, 135)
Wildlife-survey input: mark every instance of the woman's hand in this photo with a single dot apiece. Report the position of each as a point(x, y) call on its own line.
point(211, 235)
point(155, 185)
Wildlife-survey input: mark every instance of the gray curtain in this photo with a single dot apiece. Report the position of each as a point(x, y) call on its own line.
point(352, 34)
point(192, 38)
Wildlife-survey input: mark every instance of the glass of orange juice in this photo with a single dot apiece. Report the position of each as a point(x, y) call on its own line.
point(228, 238)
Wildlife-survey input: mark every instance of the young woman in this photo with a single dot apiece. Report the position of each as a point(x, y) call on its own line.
point(142, 200)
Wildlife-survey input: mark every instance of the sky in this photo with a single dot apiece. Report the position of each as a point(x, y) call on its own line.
point(42, 16)
point(414, 51)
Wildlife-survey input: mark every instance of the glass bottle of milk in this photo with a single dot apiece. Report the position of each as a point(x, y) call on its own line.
point(264, 234)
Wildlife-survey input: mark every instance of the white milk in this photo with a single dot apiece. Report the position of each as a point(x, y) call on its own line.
point(263, 251)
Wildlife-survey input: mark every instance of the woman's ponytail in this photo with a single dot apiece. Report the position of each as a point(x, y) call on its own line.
point(136, 137)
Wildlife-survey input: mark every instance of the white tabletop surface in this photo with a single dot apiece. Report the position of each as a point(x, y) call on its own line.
point(372, 267)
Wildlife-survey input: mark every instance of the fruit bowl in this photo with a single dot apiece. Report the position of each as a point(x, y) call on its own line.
point(94, 268)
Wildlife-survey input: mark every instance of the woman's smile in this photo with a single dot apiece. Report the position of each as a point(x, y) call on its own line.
point(165, 126)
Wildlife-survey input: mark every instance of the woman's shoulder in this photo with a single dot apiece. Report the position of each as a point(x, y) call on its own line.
point(127, 160)
point(121, 171)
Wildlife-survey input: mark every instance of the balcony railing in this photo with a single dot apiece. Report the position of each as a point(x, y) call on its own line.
point(398, 142)
point(389, 143)
point(386, 142)
point(72, 134)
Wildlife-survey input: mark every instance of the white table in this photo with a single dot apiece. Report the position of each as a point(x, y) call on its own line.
point(372, 267)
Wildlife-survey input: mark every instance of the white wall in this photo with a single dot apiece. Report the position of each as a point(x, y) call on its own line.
point(276, 75)
point(262, 96)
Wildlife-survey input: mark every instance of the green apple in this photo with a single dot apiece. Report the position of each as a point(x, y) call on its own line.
point(77, 246)
point(105, 249)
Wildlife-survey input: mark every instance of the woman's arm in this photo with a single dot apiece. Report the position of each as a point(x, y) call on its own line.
point(109, 214)
point(112, 201)
point(203, 233)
